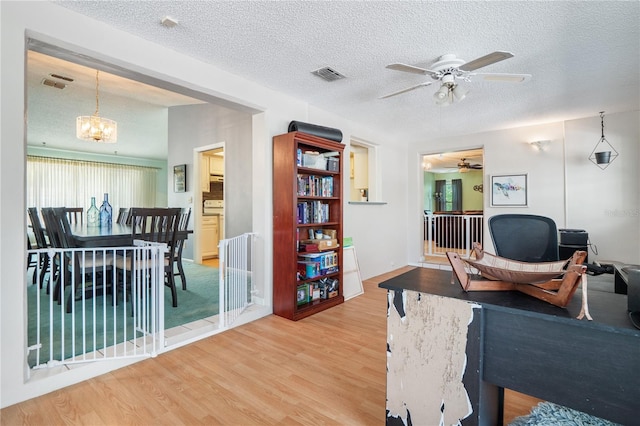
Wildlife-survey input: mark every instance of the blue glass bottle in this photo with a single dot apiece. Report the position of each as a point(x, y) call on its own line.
point(105, 212)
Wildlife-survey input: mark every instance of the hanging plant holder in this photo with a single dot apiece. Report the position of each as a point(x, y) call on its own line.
point(603, 153)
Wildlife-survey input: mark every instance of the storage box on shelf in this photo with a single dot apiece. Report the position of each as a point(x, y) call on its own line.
point(307, 224)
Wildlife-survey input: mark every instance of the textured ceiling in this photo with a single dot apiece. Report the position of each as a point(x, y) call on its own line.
point(583, 56)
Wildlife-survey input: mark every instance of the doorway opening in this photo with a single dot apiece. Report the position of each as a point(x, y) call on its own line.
point(452, 202)
point(209, 223)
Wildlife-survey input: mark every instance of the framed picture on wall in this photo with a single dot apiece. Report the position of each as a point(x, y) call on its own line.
point(509, 190)
point(180, 178)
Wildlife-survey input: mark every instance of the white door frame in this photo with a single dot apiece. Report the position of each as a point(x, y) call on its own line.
point(197, 197)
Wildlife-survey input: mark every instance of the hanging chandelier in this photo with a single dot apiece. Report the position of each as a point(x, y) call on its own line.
point(93, 128)
point(603, 153)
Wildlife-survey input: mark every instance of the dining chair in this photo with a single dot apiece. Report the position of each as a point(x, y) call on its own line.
point(75, 215)
point(41, 243)
point(183, 222)
point(123, 214)
point(32, 259)
point(53, 234)
point(158, 225)
point(81, 266)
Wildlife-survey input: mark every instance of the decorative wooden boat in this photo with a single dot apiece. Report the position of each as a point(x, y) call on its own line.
point(553, 282)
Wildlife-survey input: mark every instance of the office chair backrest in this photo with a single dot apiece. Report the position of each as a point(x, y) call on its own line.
point(524, 237)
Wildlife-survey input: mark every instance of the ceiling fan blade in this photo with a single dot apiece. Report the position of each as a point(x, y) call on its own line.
point(485, 60)
point(513, 78)
point(410, 68)
point(408, 89)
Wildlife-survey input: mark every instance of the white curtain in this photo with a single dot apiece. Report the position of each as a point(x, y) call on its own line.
point(56, 182)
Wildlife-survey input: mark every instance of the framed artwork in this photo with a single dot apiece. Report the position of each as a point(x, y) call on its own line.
point(180, 178)
point(509, 190)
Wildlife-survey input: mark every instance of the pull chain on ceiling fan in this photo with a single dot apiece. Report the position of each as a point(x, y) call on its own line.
point(448, 68)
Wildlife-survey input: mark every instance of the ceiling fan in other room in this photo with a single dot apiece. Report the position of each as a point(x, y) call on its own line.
point(464, 166)
point(448, 69)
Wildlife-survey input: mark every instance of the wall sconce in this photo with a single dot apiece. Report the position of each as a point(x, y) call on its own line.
point(603, 153)
point(540, 145)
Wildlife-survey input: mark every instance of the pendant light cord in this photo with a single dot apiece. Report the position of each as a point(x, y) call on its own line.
point(97, 98)
point(602, 123)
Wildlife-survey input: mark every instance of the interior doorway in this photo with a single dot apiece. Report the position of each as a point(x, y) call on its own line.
point(209, 223)
point(452, 202)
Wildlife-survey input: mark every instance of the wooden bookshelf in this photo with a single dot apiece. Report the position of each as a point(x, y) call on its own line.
point(306, 197)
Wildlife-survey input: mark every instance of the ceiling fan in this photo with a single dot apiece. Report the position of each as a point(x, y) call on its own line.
point(464, 166)
point(449, 68)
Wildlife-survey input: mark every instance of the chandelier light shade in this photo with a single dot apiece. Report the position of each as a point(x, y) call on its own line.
point(603, 153)
point(93, 128)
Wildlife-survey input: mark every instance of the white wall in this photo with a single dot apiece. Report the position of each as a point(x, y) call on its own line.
point(195, 126)
point(562, 183)
point(606, 202)
point(378, 230)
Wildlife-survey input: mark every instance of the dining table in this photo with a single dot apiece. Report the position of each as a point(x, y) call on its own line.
point(116, 235)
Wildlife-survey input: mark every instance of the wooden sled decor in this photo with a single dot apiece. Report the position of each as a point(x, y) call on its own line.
point(535, 279)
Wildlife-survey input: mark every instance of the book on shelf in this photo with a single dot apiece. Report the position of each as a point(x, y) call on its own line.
point(312, 212)
point(314, 186)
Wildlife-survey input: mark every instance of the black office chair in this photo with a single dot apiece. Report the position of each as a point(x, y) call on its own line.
point(524, 237)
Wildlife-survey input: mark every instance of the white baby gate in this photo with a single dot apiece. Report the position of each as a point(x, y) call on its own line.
point(451, 232)
point(113, 307)
point(237, 287)
point(97, 328)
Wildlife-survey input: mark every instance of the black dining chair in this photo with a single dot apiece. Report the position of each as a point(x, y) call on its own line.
point(123, 214)
point(32, 259)
point(90, 270)
point(52, 229)
point(41, 243)
point(183, 222)
point(75, 215)
point(158, 225)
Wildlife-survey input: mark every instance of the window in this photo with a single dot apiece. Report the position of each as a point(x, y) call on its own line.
point(55, 182)
point(363, 172)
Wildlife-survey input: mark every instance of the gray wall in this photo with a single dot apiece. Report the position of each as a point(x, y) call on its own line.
point(195, 126)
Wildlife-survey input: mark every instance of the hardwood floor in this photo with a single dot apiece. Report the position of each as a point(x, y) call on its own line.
point(329, 368)
point(213, 262)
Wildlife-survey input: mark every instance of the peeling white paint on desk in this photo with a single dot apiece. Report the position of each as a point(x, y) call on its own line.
point(426, 359)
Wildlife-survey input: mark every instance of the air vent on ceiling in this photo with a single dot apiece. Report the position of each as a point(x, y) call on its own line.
point(328, 74)
point(51, 83)
point(61, 77)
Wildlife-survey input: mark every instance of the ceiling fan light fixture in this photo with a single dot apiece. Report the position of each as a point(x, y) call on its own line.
point(460, 92)
point(442, 93)
point(93, 128)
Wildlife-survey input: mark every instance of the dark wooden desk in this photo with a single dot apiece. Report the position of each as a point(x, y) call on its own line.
point(115, 236)
point(518, 342)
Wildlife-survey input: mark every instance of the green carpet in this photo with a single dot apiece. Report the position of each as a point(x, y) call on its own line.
point(200, 300)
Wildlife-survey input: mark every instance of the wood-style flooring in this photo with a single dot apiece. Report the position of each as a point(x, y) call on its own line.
point(329, 368)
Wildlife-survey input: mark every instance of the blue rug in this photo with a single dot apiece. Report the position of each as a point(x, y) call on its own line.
point(199, 301)
point(549, 414)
